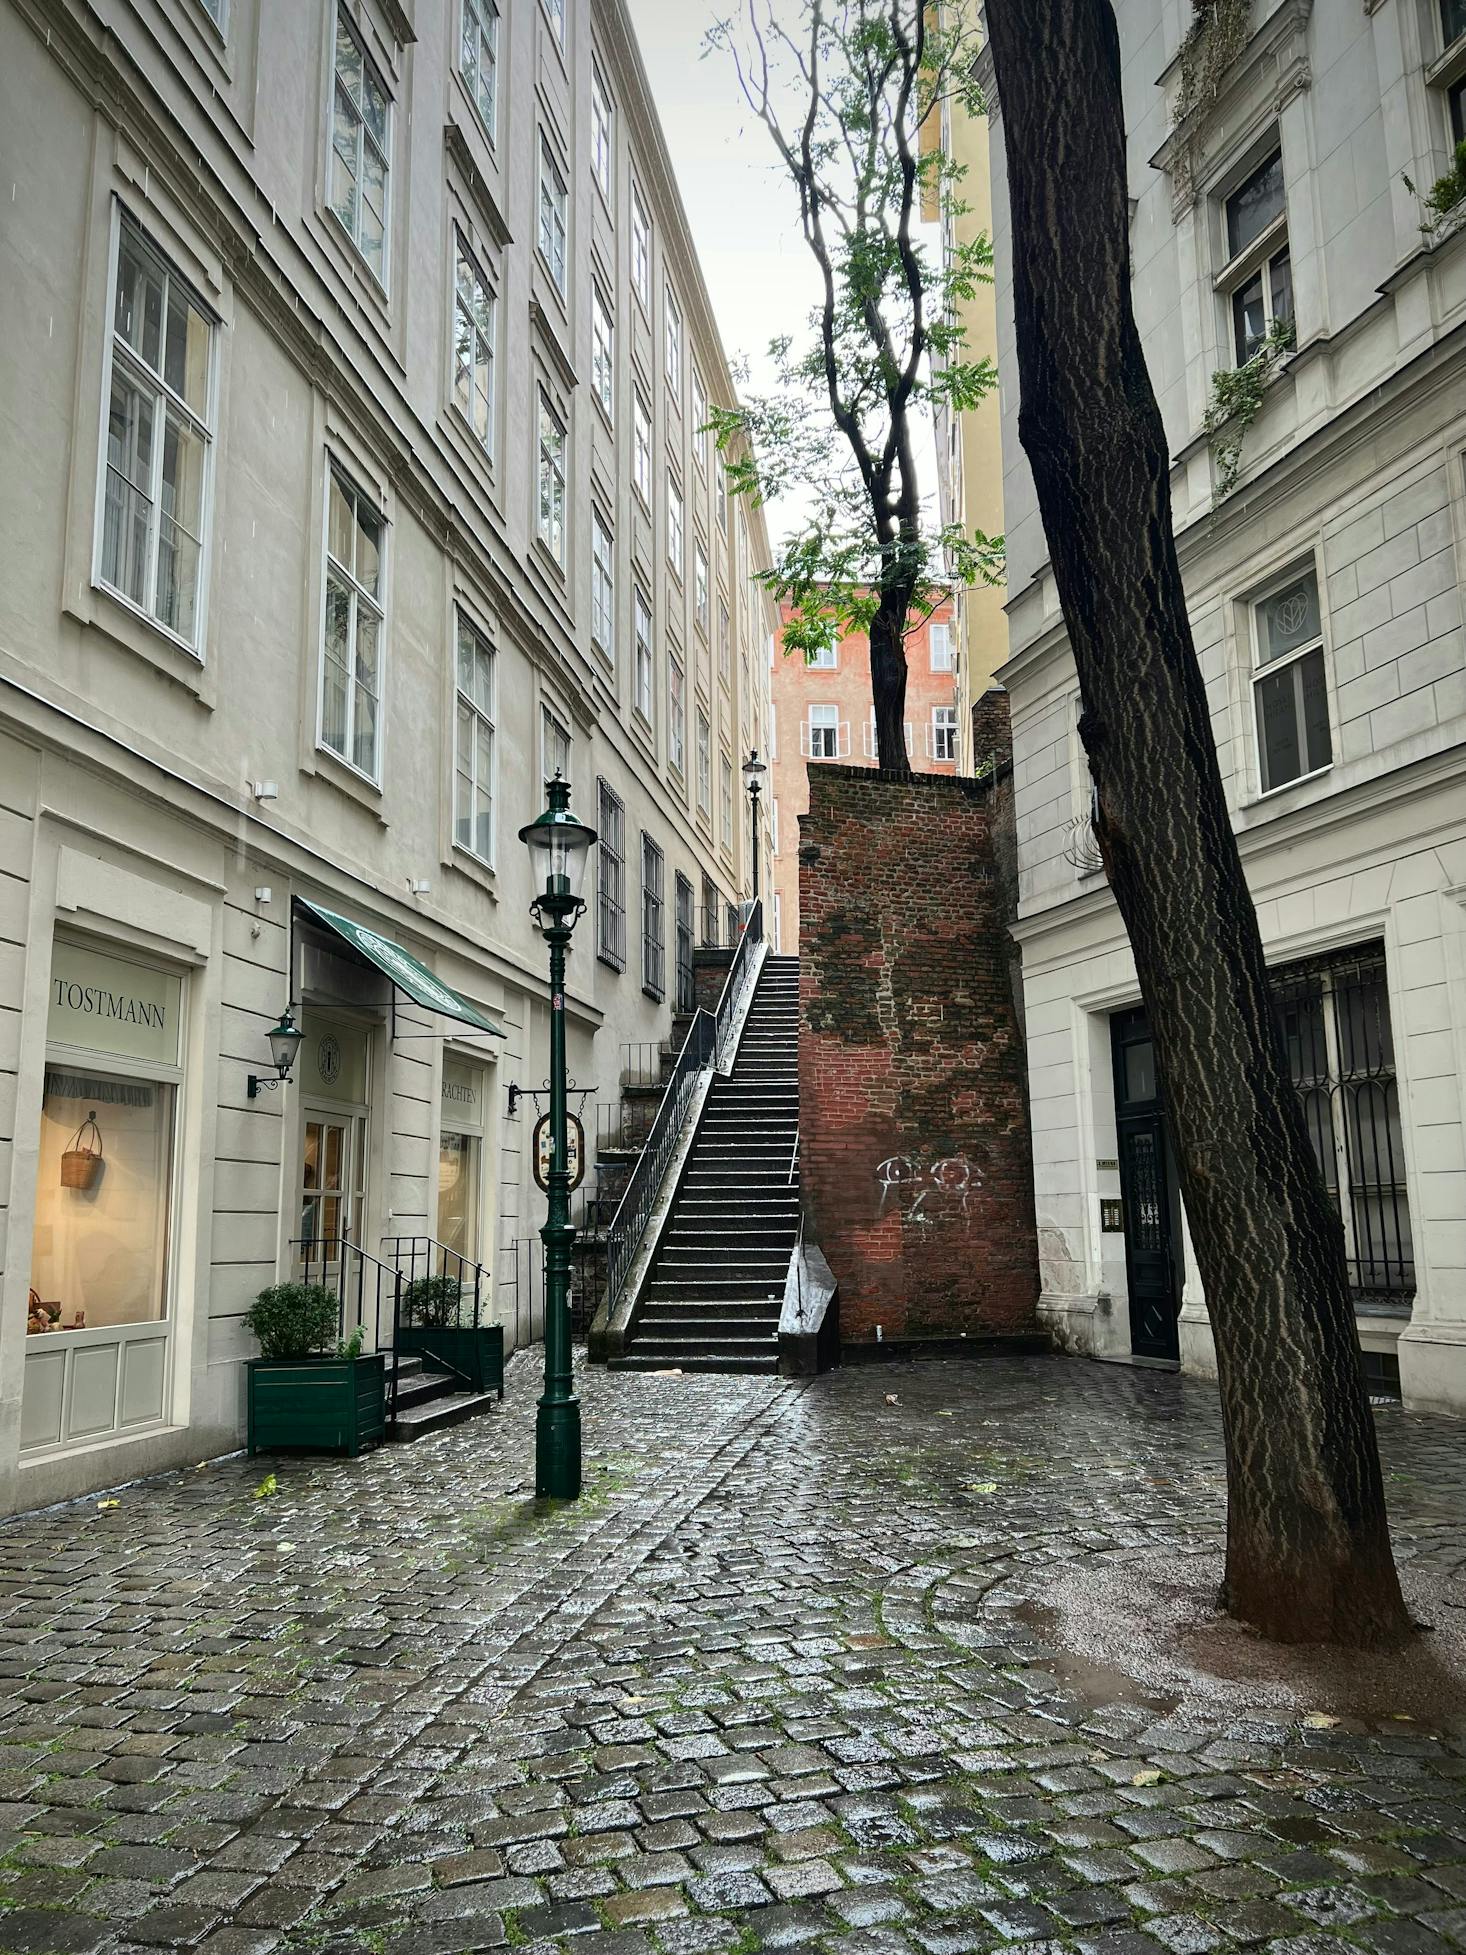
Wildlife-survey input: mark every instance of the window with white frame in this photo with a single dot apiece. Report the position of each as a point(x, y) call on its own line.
point(554, 745)
point(600, 133)
point(602, 585)
point(725, 798)
point(675, 537)
point(553, 205)
point(473, 345)
point(551, 510)
point(939, 641)
point(156, 469)
point(700, 436)
point(351, 661)
point(823, 658)
point(641, 448)
point(218, 12)
point(944, 733)
point(641, 250)
point(725, 639)
point(478, 58)
point(602, 351)
point(1453, 79)
point(673, 326)
point(653, 872)
point(642, 640)
point(360, 147)
point(704, 763)
point(555, 14)
point(824, 733)
point(473, 744)
point(676, 714)
point(611, 881)
point(700, 584)
point(1258, 278)
point(1289, 683)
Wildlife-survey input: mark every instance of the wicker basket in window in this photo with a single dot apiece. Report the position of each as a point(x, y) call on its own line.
point(83, 1159)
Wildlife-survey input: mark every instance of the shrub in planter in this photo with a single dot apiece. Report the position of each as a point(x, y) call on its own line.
point(437, 1325)
point(298, 1395)
point(433, 1301)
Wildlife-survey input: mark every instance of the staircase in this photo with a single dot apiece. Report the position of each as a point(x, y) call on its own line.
point(715, 1289)
point(429, 1401)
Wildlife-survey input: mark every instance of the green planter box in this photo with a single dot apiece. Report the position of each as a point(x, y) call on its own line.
point(333, 1405)
point(476, 1356)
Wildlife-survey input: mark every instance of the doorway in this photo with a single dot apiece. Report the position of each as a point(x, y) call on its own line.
point(332, 1190)
point(1147, 1192)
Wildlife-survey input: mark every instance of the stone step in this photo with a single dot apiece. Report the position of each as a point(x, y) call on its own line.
point(634, 1361)
point(437, 1414)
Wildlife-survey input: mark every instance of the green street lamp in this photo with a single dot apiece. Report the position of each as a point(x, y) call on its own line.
point(753, 773)
point(559, 848)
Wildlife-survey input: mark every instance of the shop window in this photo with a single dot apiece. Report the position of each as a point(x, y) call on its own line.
point(460, 1160)
point(1258, 278)
point(360, 148)
point(157, 456)
point(1334, 1015)
point(1289, 684)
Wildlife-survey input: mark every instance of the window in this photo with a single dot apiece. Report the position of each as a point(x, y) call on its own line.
point(641, 448)
point(700, 583)
point(944, 732)
point(824, 658)
point(699, 423)
point(725, 798)
point(555, 14)
point(824, 732)
point(551, 517)
point(1456, 110)
point(473, 346)
point(652, 948)
point(460, 1157)
point(602, 585)
point(686, 992)
point(552, 214)
point(939, 639)
point(712, 913)
point(611, 884)
point(218, 12)
point(478, 58)
point(360, 148)
point(602, 351)
point(725, 640)
point(1334, 1015)
point(351, 665)
point(721, 495)
point(673, 324)
point(704, 763)
point(473, 750)
point(554, 745)
point(773, 828)
point(641, 250)
point(156, 468)
point(600, 134)
point(1259, 276)
point(676, 715)
point(773, 732)
point(1453, 21)
point(675, 538)
point(1289, 687)
point(642, 689)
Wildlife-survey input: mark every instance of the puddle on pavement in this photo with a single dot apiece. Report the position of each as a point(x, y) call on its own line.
point(1091, 1681)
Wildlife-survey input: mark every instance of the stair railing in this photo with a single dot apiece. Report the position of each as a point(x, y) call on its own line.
point(634, 1210)
point(742, 976)
point(368, 1296)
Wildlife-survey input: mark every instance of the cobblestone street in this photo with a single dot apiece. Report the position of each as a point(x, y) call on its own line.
point(760, 1689)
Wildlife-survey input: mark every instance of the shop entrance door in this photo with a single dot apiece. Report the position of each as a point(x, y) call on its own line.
point(331, 1193)
point(1147, 1192)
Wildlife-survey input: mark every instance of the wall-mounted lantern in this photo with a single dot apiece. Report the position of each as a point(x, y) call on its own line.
point(285, 1041)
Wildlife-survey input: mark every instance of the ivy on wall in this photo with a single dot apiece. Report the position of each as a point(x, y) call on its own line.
point(1236, 399)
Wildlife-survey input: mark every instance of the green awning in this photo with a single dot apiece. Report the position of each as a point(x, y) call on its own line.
point(404, 970)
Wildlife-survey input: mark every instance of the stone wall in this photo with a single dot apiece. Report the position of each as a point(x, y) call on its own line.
point(915, 1155)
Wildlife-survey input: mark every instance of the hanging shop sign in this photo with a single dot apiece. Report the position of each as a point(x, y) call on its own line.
point(544, 1151)
point(111, 1004)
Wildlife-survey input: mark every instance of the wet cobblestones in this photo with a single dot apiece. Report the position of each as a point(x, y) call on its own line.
point(752, 1692)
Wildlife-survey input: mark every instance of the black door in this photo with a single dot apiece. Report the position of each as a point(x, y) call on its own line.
point(1147, 1192)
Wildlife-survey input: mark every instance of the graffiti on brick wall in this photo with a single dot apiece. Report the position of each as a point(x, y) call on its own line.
point(930, 1191)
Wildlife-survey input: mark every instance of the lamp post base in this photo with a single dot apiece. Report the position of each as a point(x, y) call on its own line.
point(557, 1449)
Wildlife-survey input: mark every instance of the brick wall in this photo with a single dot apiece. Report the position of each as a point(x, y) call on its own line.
point(914, 1151)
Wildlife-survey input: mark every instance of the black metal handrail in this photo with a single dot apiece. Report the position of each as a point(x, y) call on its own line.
point(742, 974)
point(331, 1260)
point(634, 1210)
point(426, 1256)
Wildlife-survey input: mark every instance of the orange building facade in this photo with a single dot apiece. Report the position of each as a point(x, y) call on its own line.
point(823, 712)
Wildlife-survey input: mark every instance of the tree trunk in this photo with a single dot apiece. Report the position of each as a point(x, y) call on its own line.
point(1308, 1551)
point(888, 680)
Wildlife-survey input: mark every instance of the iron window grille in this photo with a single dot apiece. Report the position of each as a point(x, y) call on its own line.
point(653, 948)
point(1334, 1016)
point(611, 885)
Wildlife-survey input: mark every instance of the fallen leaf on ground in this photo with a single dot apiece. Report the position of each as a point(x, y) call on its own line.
point(946, 1415)
point(1146, 1778)
point(982, 1486)
point(266, 1487)
point(1320, 1721)
point(285, 1547)
point(892, 1399)
point(103, 1505)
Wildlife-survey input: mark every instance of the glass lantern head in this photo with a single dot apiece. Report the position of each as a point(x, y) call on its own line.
point(559, 848)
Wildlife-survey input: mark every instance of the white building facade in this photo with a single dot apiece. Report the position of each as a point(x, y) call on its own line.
point(1325, 595)
point(355, 355)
